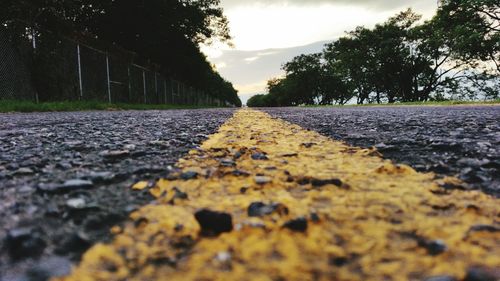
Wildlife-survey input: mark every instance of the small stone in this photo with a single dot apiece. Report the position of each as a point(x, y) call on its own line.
point(315, 217)
point(227, 163)
point(320, 182)
point(298, 225)
point(179, 194)
point(223, 256)
point(433, 247)
point(23, 243)
point(259, 209)
point(64, 165)
point(114, 154)
point(189, 175)
point(101, 176)
point(77, 184)
point(239, 173)
point(482, 274)
point(308, 144)
point(75, 243)
point(484, 227)
point(338, 261)
point(259, 156)
point(262, 179)
point(214, 223)
point(66, 186)
point(49, 267)
point(292, 154)
point(24, 171)
point(76, 203)
point(441, 278)
point(25, 189)
point(129, 147)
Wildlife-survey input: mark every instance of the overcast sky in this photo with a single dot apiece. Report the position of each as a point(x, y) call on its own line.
point(269, 33)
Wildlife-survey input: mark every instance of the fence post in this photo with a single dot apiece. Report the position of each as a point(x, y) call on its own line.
point(165, 90)
point(33, 41)
point(129, 85)
point(156, 87)
point(179, 94)
point(108, 78)
point(144, 84)
point(79, 70)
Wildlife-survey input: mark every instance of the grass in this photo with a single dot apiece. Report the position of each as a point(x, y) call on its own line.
point(427, 103)
point(28, 106)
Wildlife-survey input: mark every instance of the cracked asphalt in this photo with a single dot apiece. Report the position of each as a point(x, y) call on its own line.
point(65, 178)
point(461, 141)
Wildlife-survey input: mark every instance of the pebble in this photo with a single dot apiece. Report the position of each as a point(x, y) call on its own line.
point(227, 163)
point(262, 179)
point(441, 278)
point(223, 256)
point(482, 274)
point(101, 176)
point(189, 175)
point(259, 209)
point(259, 156)
point(24, 242)
point(76, 203)
point(114, 154)
point(24, 171)
point(298, 225)
point(179, 194)
point(214, 223)
point(67, 186)
point(320, 182)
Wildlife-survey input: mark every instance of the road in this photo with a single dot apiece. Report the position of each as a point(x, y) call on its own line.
point(462, 141)
point(67, 176)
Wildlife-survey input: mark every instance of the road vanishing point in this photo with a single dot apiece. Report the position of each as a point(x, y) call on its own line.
point(264, 199)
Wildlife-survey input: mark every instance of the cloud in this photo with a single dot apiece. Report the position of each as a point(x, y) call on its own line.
point(380, 5)
point(250, 70)
point(258, 25)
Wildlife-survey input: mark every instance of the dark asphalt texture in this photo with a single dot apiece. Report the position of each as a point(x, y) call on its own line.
point(65, 178)
point(462, 141)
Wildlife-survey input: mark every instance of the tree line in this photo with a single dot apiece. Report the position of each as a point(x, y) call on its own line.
point(166, 32)
point(455, 55)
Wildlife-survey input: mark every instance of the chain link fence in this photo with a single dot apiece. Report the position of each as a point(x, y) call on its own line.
point(15, 77)
point(47, 67)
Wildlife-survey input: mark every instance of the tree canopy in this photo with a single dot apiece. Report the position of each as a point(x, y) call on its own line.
point(456, 54)
point(166, 32)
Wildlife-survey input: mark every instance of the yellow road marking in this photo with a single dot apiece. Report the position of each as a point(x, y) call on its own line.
point(321, 211)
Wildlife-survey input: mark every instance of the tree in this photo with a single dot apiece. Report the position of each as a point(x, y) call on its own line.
point(165, 32)
point(471, 29)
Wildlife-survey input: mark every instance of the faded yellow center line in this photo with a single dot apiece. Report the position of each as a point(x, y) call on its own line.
point(264, 199)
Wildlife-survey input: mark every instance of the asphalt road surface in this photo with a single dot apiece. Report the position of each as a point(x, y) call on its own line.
point(65, 177)
point(462, 141)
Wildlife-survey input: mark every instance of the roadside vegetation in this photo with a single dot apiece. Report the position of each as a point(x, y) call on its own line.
point(416, 103)
point(29, 106)
point(453, 56)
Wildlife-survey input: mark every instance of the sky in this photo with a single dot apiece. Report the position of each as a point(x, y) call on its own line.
point(266, 34)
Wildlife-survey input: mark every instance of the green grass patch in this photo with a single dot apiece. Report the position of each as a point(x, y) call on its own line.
point(28, 106)
point(427, 103)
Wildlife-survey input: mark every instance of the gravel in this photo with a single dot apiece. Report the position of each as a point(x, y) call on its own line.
point(459, 141)
point(65, 178)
